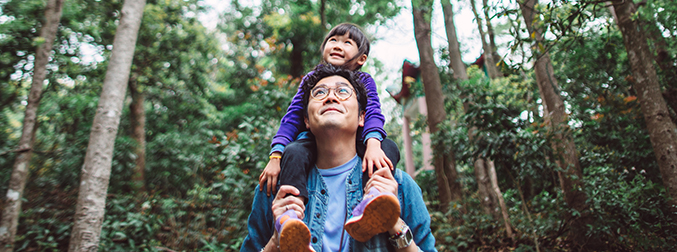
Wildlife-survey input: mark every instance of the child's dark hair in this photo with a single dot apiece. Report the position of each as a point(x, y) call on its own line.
point(356, 35)
point(326, 70)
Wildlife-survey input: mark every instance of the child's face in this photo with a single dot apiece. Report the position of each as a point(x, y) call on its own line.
point(340, 49)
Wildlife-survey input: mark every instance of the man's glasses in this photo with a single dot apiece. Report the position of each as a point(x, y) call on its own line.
point(342, 91)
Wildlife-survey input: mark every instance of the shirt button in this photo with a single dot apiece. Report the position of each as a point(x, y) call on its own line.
point(350, 182)
point(323, 191)
point(317, 215)
point(314, 239)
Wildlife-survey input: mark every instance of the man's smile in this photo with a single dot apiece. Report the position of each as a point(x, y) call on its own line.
point(330, 109)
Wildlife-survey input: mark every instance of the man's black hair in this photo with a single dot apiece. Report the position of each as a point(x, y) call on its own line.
point(327, 70)
point(355, 33)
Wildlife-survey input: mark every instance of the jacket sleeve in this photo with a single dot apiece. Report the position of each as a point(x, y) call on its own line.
point(292, 122)
point(260, 223)
point(414, 212)
point(373, 118)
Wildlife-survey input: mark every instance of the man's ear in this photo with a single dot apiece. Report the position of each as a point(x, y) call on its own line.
point(305, 120)
point(361, 60)
point(360, 119)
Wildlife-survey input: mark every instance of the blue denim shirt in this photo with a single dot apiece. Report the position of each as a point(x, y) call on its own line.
point(412, 210)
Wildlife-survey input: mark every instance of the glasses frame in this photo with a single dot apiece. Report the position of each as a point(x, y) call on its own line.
point(332, 89)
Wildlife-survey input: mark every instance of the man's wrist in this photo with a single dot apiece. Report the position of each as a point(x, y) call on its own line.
point(397, 228)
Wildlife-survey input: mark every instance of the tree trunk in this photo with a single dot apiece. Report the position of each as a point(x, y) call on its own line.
point(490, 33)
point(20, 169)
point(455, 59)
point(662, 130)
point(445, 167)
point(483, 189)
point(323, 14)
point(497, 191)
point(95, 174)
point(565, 150)
point(296, 59)
point(489, 202)
point(138, 118)
point(489, 63)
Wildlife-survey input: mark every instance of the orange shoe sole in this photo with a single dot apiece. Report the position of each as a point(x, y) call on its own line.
point(295, 237)
point(379, 215)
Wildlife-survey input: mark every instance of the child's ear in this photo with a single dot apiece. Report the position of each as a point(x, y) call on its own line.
point(360, 119)
point(361, 60)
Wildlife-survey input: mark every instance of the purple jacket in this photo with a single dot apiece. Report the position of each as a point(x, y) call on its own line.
point(292, 122)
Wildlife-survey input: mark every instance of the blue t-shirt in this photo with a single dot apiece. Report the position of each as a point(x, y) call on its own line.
point(335, 179)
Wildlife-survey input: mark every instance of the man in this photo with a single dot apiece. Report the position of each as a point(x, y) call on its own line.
point(334, 103)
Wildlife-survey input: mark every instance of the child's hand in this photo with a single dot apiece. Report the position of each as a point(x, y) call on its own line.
point(375, 157)
point(270, 174)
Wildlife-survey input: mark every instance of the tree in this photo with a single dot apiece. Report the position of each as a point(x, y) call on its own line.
point(445, 163)
point(489, 61)
point(455, 59)
point(556, 118)
point(95, 174)
point(10, 214)
point(662, 131)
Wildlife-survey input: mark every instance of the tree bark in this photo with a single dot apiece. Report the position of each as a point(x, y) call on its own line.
point(662, 130)
point(455, 59)
point(565, 150)
point(497, 191)
point(483, 189)
point(445, 167)
point(489, 63)
point(95, 174)
point(138, 118)
point(490, 32)
point(323, 14)
point(20, 169)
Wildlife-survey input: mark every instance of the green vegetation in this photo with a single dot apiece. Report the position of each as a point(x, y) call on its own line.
point(214, 98)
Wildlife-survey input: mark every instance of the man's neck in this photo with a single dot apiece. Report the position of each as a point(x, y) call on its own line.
point(333, 151)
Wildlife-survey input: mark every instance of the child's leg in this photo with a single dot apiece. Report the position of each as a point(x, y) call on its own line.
point(298, 159)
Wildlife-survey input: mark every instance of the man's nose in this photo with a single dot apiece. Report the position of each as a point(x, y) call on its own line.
point(331, 97)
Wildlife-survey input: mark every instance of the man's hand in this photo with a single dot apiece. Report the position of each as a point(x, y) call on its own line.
point(270, 175)
point(383, 180)
point(281, 203)
point(375, 157)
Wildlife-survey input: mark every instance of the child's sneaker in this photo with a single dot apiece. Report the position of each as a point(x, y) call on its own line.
point(293, 234)
point(377, 213)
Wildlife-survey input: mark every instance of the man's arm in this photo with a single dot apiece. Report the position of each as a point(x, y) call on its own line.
point(265, 209)
point(384, 181)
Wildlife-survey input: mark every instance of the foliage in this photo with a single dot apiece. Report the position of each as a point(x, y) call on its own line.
point(214, 100)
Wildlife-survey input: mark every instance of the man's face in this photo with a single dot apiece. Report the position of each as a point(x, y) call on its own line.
point(331, 112)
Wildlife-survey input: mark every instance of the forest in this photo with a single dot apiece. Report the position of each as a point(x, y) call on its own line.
point(132, 125)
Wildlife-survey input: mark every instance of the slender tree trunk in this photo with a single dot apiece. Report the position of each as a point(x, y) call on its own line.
point(20, 169)
point(95, 174)
point(455, 59)
point(565, 150)
point(296, 59)
point(489, 62)
point(445, 167)
point(485, 192)
point(497, 191)
point(138, 118)
point(490, 32)
point(323, 14)
point(662, 130)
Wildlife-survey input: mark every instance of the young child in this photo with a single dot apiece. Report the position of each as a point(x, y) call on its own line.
point(346, 46)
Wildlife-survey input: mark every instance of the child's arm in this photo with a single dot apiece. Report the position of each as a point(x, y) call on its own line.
point(290, 126)
point(270, 173)
point(373, 131)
